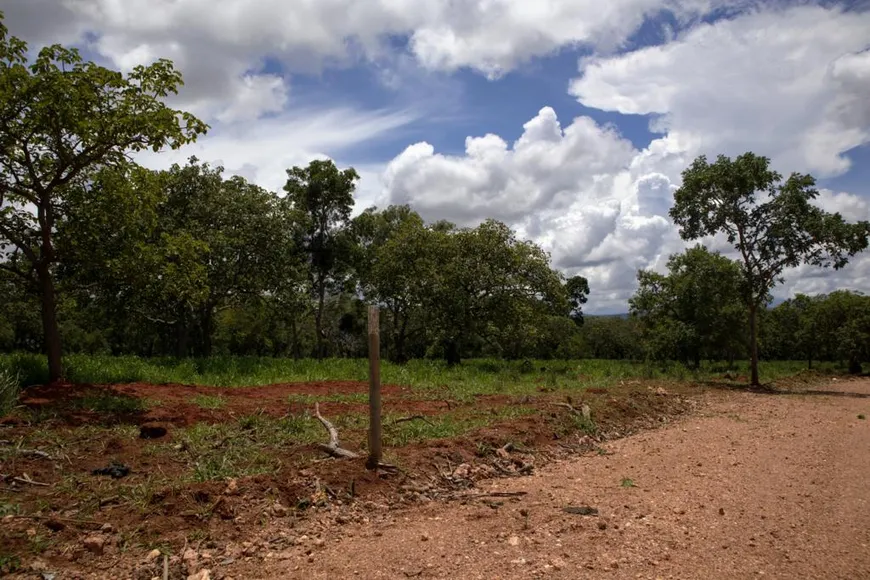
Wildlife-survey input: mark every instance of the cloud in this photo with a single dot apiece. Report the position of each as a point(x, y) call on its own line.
point(582, 191)
point(221, 45)
point(262, 151)
point(790, 84)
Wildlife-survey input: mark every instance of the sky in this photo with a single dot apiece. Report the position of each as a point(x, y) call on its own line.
point(570, 120)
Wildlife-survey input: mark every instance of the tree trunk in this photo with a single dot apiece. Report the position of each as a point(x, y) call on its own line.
point(452, 353)
point(318, 321)
point(753, 345)
point(207, 323)
point(399, 339)
point(50, 330)
point(182, 335)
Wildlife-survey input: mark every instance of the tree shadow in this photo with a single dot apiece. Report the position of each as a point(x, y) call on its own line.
point(769, 389)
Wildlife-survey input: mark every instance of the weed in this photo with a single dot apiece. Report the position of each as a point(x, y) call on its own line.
point(9, 563)
point(627, 482)
point(104, 403)
point(209, 401)
point(9, 509)
point(10, 387)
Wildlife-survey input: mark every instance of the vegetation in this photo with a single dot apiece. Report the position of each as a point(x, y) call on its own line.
point(102, 257)
point(771, 223)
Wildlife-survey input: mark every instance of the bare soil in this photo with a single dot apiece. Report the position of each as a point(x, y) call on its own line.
point(744, 485)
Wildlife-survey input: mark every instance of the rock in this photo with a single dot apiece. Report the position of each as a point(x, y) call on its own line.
point(602, 526)
point(514, 541)
point(721, 511)
point(152, 555)
point(203, 574)
point(106, 528)
point(152, 430)
point(463, 471)
point(189, 558)
point(232, 487)
point(583, 510)
point(319, 542)
point(424, 537)
point(558, 564)
point(95, 543)
point(278, 510)
point(38, 565)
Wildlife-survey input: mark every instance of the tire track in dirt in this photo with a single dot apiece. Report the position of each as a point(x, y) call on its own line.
point(758, 485)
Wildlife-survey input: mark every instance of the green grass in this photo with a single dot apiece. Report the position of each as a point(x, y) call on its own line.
point(472, 376)
point(209, 401)
point(627, 482)
point(110, 403)
point(9, 389)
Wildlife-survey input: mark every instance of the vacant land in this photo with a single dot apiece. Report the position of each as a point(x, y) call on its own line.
point(96, 475)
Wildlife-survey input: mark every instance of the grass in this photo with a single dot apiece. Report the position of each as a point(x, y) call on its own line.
point(627, 482)
point(209, 401)
point(9, 389)
point(110, 404)
point(483, 376)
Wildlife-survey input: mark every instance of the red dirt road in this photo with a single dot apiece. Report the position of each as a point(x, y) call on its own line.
point(772, 486)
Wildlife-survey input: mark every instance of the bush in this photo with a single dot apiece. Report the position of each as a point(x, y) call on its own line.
point(9, 389)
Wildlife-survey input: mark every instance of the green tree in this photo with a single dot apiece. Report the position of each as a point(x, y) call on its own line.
point(771, 223)
point(694, 311)
point(321, 196)
point(843, 327)
point(489, 284)
point(577, 288)
point(62, 118)
point(396, 267)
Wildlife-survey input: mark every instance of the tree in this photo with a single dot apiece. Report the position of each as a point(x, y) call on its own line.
point(61, 118)
point(694, 311)
point(489, 284)
point(843, 327)
point(396, 267)
point(577, 288)
point(771, 223)
point(322, 198)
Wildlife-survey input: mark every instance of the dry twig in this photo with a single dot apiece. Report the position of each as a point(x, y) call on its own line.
point(333, 448)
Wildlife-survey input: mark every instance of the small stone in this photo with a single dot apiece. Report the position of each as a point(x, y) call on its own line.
point(424, 537)
point(602, 526)
point(203, 574)
point(107, 528)
point(514, 541)
point(153, 555)
point(279, 511)
point(721, 511)
point(232, 487)
point(319, 542)
point(95, 543)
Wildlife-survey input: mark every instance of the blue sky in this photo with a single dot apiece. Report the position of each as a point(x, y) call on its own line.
point(535, 113)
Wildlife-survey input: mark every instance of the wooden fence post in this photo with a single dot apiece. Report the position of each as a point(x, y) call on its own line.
point(374, 389)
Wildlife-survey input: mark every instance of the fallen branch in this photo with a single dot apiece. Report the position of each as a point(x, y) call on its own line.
point(333, 448)
point(30, 452)
point(495, 494)
point(25, 480)
point(407, 419)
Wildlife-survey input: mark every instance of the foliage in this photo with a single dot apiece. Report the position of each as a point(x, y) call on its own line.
point(772, 223)
point(9, 389)
point(321, 198)
point(693, 312)
point(62, 119)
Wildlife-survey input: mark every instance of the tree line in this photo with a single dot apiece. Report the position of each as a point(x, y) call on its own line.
point(99, 254)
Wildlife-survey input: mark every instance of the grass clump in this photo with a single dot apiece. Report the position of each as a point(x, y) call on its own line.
point(627, 482)
point(209, 401)
point(104, 403)
point(10, 388)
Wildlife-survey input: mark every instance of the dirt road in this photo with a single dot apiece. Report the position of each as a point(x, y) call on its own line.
point(773, 486)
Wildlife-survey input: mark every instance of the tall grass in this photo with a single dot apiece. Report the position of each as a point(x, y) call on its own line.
point(9, 389)
point(475, 376)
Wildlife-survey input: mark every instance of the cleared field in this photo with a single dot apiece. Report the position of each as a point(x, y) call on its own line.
point(207, 461)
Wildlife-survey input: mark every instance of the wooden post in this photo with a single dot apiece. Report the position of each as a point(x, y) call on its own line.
point(374, 389)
